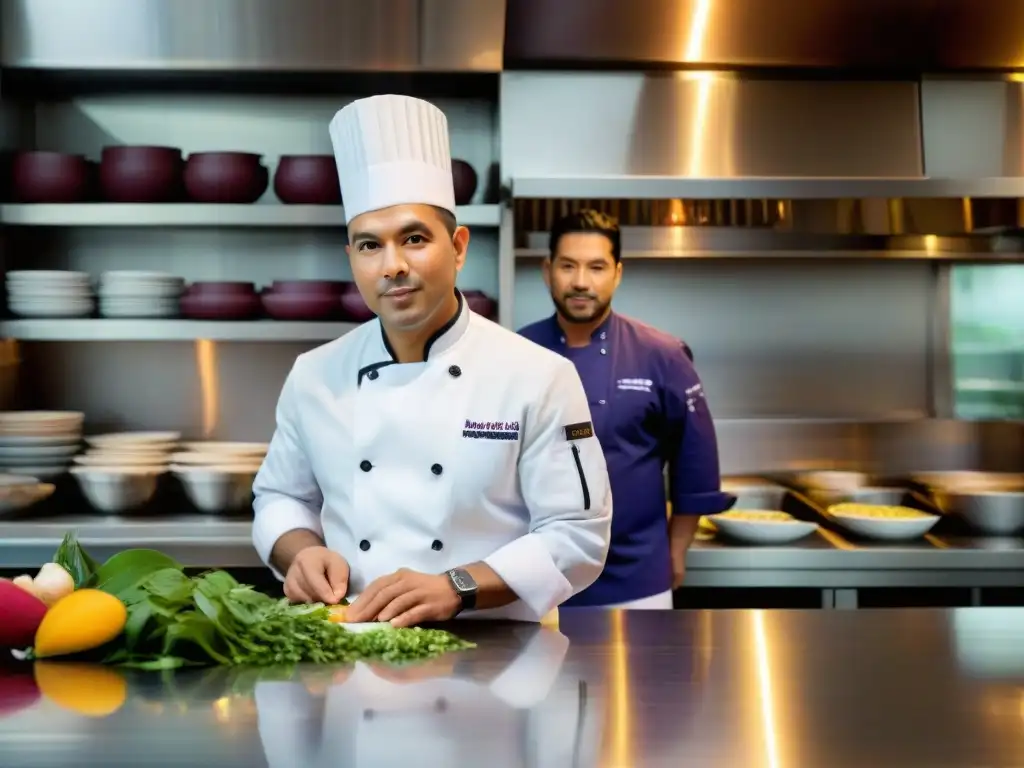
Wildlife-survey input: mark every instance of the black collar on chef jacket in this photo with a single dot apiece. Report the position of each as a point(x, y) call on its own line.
point(442, 339)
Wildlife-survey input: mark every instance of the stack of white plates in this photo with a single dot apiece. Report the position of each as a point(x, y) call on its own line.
point(129, 450)
point(46, 293)
point(39, 443)
point(139, 294)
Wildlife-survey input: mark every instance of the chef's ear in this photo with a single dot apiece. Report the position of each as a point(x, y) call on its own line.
point(460, 241)
point(618, 274)
point(545, 270)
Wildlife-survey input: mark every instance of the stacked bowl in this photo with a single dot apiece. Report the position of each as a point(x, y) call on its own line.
point(220, 300)
point(131, 293)
point(49, 293)
point(118, 473)
point(303, 299)
point(218, 477)
point(40, 444)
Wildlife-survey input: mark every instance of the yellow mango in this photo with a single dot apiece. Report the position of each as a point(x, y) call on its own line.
point(81, 621)
point(86, 689)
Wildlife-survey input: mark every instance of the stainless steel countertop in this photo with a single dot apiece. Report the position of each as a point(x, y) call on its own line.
point(779, 689)
point(824, 560)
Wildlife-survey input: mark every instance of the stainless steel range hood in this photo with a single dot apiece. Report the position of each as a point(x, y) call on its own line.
point(254, 35)
point(718, 100)
point(887, 35)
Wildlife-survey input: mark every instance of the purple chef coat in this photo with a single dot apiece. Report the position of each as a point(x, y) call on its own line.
point(648, 408)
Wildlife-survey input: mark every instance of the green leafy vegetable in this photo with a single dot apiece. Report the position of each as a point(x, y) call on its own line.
point(75, 560)
point(127, 568)
point(175, 620)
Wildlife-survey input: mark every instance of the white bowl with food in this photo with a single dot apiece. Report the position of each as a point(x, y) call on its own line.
point(754, 526)
point(881, 522)
point(117, 489)
point(18, 492)
point(218, 488)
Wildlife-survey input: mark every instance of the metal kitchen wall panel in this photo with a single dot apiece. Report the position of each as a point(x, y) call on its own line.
point(973, 128)
point(254, 35)
point(705, 125)
point(813, 339)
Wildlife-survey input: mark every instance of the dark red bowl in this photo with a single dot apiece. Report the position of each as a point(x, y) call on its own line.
point(307, 180)
point(481, 303)
point(353, 306)
point(297, 306)
point(220, 307)
point(221, 288)
point(141, 174)
point(309, 287)
point(49, 177)
point(225, 177)
point(464, 180)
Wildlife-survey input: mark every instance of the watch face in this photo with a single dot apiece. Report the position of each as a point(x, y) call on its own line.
point(462, 581)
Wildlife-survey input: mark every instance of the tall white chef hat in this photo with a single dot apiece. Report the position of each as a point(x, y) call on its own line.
point(392, 150)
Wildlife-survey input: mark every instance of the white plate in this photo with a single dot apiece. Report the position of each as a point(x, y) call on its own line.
point(212, 458)
point(139, 274)
point(234, 449)
point(46, 274)
point(70, 440)
point(52, 312)
point(43, 473)
point(40, 422)
point(109, 304)
point(887, 529)
point(122, 460)
point(136, 292)
point(139, 312)
point(124, 439)
point(757, 532)
point(48, 293)
point(37, 452)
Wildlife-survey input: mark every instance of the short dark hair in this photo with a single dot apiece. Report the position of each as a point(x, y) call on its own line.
point(448, 219)
point(587, 220)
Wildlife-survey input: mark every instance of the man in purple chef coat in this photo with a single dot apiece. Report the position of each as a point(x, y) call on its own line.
point(648, 408)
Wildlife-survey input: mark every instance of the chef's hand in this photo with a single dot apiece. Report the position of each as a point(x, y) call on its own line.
point(406, 598)
point(317, 575)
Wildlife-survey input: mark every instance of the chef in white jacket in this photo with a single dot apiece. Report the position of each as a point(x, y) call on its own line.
point(461, 714)
point(430, 462)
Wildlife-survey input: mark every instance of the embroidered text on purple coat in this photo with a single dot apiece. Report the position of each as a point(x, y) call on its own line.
point(491, 430)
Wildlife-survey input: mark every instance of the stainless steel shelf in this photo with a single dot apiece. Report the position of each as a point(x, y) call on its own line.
point(170, 330)
point(759, 188)
point(986, 257)
point(756, 243)
point(200, 215)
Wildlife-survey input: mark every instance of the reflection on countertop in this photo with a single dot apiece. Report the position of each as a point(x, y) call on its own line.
point(777, 689)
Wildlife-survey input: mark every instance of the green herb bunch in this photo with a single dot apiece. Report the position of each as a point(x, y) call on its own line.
point(176, 620)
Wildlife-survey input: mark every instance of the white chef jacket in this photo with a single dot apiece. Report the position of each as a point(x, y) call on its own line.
point(530, 714)
point(484, 452)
